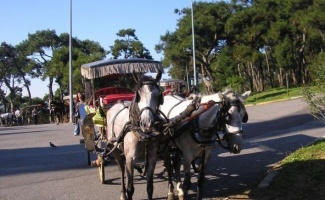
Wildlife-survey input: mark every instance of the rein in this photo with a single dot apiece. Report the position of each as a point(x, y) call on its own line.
point(206, 107)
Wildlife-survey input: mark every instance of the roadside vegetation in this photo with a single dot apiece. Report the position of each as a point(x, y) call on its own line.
point(278, 94)
point(301, 175)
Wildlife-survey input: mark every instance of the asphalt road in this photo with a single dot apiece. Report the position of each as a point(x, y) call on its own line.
point(30, 169)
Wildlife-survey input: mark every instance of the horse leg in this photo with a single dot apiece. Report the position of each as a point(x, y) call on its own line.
point(201, 176)
point(57, 119)
point(129, 165)
point(187, 175)
point(130, 152)
point(167, 162)
point(177, 175)
point(152, 153)
point(120, 162)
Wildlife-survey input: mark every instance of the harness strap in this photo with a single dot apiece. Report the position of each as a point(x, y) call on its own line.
point(125, 106)
point(119, 139)
point(206, 107)
point(144, 137)
point(174, 107)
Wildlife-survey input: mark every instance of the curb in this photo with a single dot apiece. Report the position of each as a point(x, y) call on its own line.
point(267, 102)
point(272, 173)
point(267, 179)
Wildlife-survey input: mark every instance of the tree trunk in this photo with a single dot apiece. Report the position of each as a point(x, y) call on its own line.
point(207, 83)
point(294, 79)
point(51, 87)
point(269, 73)
point(28, 89)
point(280, 77)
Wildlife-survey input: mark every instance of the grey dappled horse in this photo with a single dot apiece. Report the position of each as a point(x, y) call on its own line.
point(196, 137)
point(132, 132)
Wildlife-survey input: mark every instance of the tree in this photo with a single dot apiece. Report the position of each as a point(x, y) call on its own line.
point(9, 72)
point(41, 47)
point(82, 52)
point(49, 58)
point(129, 46)
point(210, 38)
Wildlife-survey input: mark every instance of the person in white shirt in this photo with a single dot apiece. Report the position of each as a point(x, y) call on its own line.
point(18, 117)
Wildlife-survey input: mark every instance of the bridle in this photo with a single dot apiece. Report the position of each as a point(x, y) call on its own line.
point(223, 118)
point(135, 112)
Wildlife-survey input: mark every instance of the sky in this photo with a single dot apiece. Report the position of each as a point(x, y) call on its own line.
point(96, 20)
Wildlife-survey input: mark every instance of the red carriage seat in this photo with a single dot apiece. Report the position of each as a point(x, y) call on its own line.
point(110, 95)
point(113, 98)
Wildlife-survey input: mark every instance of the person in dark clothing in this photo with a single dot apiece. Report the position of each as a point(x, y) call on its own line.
point(34, 115)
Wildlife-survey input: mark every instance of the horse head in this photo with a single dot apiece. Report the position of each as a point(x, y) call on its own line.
point(233, 114)
point(148, 98)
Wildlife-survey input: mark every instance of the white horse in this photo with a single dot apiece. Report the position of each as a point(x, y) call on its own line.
point(195, 138)
point(132, 131)
point(6, 118)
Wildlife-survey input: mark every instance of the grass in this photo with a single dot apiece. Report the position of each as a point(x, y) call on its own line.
point(300, 175)
point(276, 94)
point(273, 95)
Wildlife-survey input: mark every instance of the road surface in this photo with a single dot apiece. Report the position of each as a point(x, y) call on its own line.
point(30, 169)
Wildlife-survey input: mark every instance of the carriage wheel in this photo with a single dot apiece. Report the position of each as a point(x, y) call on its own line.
point(101, 170)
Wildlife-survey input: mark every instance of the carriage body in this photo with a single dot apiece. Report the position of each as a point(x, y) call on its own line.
point(102, 99)
point(175, 87)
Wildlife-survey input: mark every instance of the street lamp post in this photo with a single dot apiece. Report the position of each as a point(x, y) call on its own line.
point(70, 66)
point(193, 44)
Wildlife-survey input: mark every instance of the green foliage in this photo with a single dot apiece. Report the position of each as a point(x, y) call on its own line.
point(266, 40)
point(316, 99)
point(243, 44)
point(128, 46)
point(210, 37)
point(37, 100)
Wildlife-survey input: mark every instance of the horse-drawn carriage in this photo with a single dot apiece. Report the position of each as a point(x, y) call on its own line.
point(151, 121)
point(43, 114)
point(174, 86)
point(101, 100)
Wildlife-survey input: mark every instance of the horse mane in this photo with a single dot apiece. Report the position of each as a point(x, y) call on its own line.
point(228, 90)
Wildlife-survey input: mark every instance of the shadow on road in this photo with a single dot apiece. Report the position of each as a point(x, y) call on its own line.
point(229, 174)
point(42, 159)
point(256, 128)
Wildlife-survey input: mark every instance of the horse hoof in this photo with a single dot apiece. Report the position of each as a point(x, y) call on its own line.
point(170, 196)
point(123, 197)
point(181, 197)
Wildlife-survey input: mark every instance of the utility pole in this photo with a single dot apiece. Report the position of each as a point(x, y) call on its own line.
point(70, 67)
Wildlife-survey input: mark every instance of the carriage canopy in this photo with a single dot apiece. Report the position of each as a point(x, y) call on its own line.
point(119, 66)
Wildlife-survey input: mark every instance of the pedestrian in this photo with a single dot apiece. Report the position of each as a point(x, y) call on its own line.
point(18, 117)
point(80, 113)
point(34, 115)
